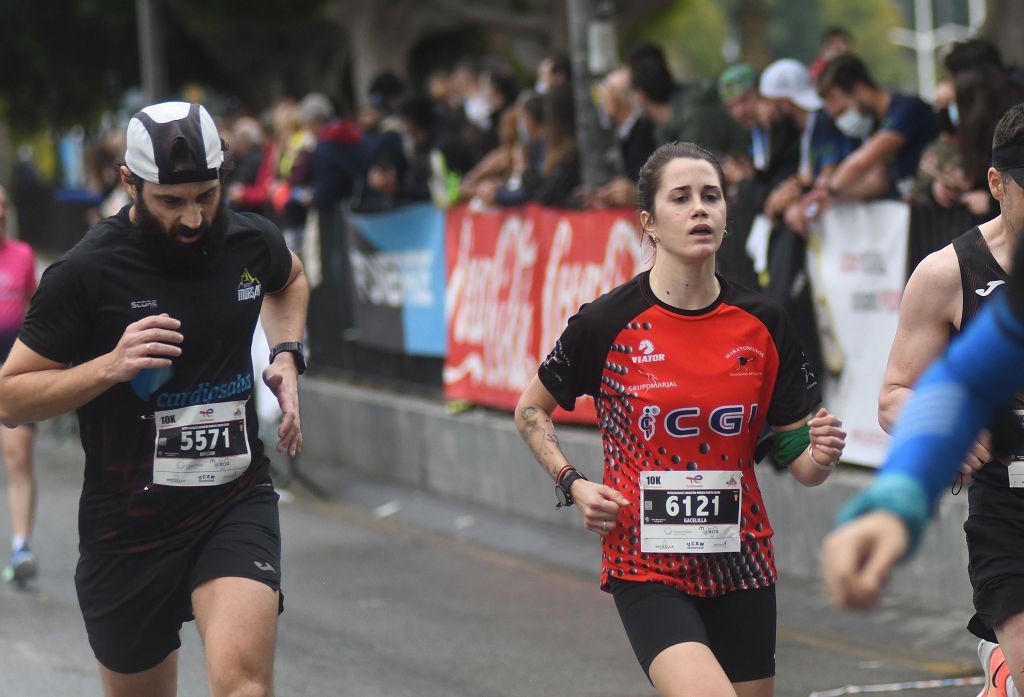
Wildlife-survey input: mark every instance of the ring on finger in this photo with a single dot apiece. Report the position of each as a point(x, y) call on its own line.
point(604, 525)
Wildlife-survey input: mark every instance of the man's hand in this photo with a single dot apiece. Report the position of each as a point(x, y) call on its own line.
point(282, 377)
point(782, 197)
point(981, 453)
point(978, 201)
point(599, 505)
point(857, 558)
point(149, 343)
point(618, 193)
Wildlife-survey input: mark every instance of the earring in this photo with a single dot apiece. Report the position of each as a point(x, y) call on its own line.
point(725, 233)
point(655, 239)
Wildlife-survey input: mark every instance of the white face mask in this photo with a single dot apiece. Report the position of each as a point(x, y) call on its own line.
point(478, 110)
point(853, 124)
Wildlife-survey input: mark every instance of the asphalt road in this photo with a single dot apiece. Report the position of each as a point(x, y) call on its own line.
point(392, 593)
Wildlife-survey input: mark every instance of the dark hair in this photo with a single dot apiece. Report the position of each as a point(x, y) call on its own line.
point(533, 106)
point(972, 53)
point(650, 74)
point(649, 180)
point(983, 94)
point(836, 31)
point(560, 64)
point(386, 89)
point(1010, 128)
point(845, 72)
point(559, 126)
point(418, 109)
point(504, 84)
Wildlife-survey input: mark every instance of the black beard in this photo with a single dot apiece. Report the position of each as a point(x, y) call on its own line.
point(192, 258)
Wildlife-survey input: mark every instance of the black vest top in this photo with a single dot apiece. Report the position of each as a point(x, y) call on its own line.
point(981, 278)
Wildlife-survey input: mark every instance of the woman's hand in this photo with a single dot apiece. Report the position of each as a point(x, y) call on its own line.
point(599, 504)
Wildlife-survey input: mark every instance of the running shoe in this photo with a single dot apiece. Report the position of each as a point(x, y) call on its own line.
point(23, 567)
point(996, 672)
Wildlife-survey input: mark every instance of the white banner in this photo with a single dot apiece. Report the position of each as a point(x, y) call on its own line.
point(857, 257)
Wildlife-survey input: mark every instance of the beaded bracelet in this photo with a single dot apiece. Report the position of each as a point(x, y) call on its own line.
point(828, 467)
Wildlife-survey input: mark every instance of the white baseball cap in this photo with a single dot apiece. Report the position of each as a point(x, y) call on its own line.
point(152, 137)
point(787, 78)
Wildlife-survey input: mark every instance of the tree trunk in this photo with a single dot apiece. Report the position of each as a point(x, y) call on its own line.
point(377, 45)
point(752, 18)
point(1003, 22)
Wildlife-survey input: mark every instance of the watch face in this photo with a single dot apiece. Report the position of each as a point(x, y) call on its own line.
point(560, 495)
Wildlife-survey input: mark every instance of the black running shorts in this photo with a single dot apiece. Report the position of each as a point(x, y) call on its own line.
point(134, 604)
point(738, 627)
point(995, 549)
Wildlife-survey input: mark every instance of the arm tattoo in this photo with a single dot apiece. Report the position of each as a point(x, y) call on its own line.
point(538, 432)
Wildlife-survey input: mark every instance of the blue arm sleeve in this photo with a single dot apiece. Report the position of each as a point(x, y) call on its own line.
point(952, 402)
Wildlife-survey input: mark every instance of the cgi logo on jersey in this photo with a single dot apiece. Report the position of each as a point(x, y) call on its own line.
point(648, 355)
point(647, 422)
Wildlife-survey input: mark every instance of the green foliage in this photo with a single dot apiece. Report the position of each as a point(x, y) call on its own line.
point(64, 59)
point(68, 61)
point(692, 33)
point(271, 16)
point(795, 30)
point(870, 21)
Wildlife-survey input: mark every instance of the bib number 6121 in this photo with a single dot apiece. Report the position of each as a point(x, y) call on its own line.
point(698, 507)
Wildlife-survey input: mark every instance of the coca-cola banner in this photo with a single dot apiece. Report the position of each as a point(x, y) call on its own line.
point(514, 279)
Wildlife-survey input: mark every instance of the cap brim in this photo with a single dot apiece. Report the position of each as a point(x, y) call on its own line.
point(808, 100)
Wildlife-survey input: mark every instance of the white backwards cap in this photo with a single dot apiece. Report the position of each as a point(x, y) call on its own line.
point(787, 78)
point(154, 133)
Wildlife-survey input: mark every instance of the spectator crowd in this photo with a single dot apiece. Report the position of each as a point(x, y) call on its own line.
point(793, 141)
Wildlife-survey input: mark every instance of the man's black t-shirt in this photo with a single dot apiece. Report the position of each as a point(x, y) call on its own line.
point(196, 420)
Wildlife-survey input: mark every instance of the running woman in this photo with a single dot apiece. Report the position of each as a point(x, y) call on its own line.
point(17, 284)
point(686, 370)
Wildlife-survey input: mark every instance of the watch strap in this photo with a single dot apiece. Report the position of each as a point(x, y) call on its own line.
point(564, 486)
point(293, 347)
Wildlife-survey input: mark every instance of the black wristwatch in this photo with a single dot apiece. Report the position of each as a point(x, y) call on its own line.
point(564, 487)
point(293, 347)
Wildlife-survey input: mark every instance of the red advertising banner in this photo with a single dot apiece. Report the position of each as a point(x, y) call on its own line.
point(514, 279)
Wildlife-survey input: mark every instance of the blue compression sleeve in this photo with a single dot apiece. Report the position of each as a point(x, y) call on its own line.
point(952, 402)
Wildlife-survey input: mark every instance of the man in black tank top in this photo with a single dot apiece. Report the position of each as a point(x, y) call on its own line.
point(945, 292)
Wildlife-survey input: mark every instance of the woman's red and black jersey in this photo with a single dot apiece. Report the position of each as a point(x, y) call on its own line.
point(683, 390)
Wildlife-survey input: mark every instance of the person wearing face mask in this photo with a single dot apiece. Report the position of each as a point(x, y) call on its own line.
point(527, 154)
point(893, 129)
point(982, 94)
point(145, 329)
point(973, 288)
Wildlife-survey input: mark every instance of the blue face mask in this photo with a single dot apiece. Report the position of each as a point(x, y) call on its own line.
point(954, 114)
